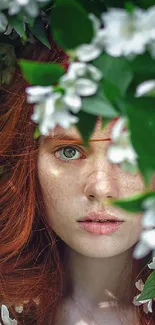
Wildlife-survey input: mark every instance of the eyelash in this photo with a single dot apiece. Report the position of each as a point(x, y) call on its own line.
point(72, 147)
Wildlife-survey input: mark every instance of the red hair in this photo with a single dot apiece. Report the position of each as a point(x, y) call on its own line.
point(31, 255)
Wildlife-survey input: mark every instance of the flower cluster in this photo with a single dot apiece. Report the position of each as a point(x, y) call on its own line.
point(124, 34)
point(53, 105)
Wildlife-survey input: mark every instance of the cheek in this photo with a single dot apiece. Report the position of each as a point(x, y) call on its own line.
point(129, 184)
point(59, 186)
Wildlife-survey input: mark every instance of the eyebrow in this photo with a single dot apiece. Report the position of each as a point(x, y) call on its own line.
point(61, 137)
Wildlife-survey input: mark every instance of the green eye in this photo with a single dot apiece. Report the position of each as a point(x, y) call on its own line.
point(68, 153)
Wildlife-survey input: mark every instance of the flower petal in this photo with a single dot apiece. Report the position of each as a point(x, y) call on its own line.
point(64, 119)
point(73, 101)
point(148, 219)
point(148, 236)
point(37, 93)
point(139, 285)
point(115, 154)
point(76, 69)
point(96, 22)
point(141, 250)
point(146, 87)
point(136, 303)
point(117, 129)
point(95, 73)
point(87, 52)
point(85, 87)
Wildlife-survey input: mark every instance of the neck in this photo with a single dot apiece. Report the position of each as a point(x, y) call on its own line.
point(97, 281)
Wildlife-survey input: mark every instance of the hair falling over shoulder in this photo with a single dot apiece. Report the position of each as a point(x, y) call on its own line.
point(31, 264)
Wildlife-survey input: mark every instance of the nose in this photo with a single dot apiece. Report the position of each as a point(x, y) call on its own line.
point(101, 183)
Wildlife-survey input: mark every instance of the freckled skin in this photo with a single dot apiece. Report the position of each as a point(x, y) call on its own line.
point(74, 188)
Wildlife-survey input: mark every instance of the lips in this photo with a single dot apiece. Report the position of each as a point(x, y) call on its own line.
point(99, 217)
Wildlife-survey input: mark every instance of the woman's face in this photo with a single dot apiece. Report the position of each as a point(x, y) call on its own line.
point(75, 181)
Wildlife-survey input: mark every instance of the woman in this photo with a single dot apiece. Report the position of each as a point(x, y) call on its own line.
point(60, 271)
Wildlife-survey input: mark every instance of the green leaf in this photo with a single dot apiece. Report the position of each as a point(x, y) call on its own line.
point(38, 30)
point(43, 74)
point(134, 202)
point(129, 6)
point(86, 125)
point(98, 104)
point(18, 25)
point(111, 91)
point(149, 288)
point(70, 24)
point(115, 70)
point(141, 116)
point(146, 3)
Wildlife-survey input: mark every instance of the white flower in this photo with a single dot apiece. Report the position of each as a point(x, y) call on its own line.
point(5, 316)
point(51, 110)
point(146, 243)
point(148, 219)
point(3, 22)
point(147, 304)
point(123, 32)
point(121, 150)
point(52, 106)
point(152, 264)
point(29, 6)
point(81, 79)
point(146, 88)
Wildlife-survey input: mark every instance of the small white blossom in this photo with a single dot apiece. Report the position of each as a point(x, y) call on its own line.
point(51, 108)
point(29, 6)
point(146, 88)
point(146, 244)
point(147, 304)
point(121, 150)
point(123, 32)
point(81, 79)
point(3, 22)
point(5, 316)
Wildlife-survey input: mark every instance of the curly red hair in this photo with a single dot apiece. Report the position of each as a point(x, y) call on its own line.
point(31, 255)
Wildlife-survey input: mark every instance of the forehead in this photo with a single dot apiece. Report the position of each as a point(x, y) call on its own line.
point(98, 132)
